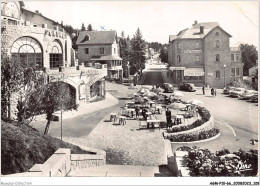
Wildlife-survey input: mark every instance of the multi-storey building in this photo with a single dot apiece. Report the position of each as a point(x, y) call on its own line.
point(100, 48)
point(43, 43)
point(201, 55)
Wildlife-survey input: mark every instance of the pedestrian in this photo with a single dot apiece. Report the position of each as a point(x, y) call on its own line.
point(215, 92)
point(168, 118)
point(212, 91)
point(137, 112)
point(203, 90)
point(144, 114)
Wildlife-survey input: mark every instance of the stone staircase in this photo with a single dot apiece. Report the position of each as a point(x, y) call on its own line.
point(122, 171)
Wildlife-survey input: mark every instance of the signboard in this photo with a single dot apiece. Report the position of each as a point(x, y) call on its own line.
point(193, 73)
point(177, 68)
point(192, 51)
point(210, 74)
point(82, 92)
point(55, 33)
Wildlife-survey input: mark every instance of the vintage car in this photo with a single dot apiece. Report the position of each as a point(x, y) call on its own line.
point(236, 92)
point(247, 94)
point(254, 98)
point(168, 87)
point(187, 87)
point(227, 89)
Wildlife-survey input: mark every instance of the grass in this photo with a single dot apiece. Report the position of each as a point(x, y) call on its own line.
point(23, 146)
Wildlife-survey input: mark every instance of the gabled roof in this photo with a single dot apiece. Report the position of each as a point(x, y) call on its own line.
point(194, 31)
point(97, 37)
point(172, 37)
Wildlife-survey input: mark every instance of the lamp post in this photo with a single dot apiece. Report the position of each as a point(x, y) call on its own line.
point(224, 75)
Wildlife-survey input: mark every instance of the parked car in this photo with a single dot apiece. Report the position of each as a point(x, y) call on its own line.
point(236, 92)
point(168, 87)
point(254, 98)
point(187, 87)
point(227, 89)
point(247, 94)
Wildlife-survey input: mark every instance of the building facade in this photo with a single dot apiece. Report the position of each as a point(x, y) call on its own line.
point(100, 48)
point(202, 55)
point(40, 42)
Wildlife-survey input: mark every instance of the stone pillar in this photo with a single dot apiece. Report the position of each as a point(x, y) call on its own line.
point(87, 94)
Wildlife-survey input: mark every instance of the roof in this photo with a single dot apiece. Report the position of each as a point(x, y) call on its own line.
point(194, 31)
point(108, 58)
point(172, 37)
point(97, 37)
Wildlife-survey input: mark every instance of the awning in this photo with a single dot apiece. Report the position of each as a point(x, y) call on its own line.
point(108, 58)
point(194, 72)
point(177, 68)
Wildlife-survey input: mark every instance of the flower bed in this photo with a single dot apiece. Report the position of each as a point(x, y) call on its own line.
point(201, 162)
point(202, 135)
point(205, 116)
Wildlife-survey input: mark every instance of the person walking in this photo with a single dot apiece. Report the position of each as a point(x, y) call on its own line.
point(212, 91)
point(203, 90)
point(137, 112)
point(168, 114)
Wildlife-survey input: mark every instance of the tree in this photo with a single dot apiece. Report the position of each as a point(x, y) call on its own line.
point(137, 54)
point(89, 27)
point(249, 57)
point(124, 52)
point(164, 55)
point(18, 79)
point(83, 27)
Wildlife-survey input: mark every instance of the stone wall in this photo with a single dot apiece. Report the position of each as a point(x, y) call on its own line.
point(62, 161)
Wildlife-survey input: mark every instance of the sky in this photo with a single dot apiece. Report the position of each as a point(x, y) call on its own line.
point(156, 19)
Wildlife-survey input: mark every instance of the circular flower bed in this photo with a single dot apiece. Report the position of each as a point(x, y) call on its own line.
point(194, 137)
point(205, 116)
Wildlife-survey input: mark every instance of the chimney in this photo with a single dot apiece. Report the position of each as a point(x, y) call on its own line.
point(195, 22)
point(201, 29)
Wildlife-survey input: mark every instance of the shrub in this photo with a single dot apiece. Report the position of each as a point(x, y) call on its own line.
point(201, 162)
point(194, 137)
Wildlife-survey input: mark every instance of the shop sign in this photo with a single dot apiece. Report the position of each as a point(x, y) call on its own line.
point(82, 92)
point(177, 68)
point(210, 74)
point(193, 73)
point(55, 33)
point(192, 51)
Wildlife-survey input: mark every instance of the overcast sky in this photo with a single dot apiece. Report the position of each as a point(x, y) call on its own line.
point(156, 19)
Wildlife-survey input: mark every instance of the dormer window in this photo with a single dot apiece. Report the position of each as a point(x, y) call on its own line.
point(86, 38)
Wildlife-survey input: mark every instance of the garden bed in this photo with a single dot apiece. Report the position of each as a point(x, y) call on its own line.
point(202, 135)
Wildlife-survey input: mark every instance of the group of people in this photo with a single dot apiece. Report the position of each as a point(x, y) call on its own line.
point(213, 91)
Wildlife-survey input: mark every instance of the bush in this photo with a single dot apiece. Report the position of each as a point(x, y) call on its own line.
point(201, 162)
point(194, 137)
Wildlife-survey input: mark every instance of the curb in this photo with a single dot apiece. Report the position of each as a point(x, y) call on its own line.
point(201, 141)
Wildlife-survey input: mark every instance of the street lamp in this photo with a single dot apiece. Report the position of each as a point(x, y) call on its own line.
point(224, 75)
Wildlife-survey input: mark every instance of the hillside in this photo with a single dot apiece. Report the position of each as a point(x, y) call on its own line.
point(23, 146)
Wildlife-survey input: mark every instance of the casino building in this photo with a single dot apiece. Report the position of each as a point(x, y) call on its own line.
point(202, 55)
point(43, 43)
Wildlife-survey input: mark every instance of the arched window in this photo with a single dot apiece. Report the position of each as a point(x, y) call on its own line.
point(216, 34)
point(217, 58)
point(56, 59)
point(217, 43)
point(179, 58)
point(28, 51)
point(217, 74)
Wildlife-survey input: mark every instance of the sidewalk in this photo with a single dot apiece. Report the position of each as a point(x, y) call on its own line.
point(84, 108)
